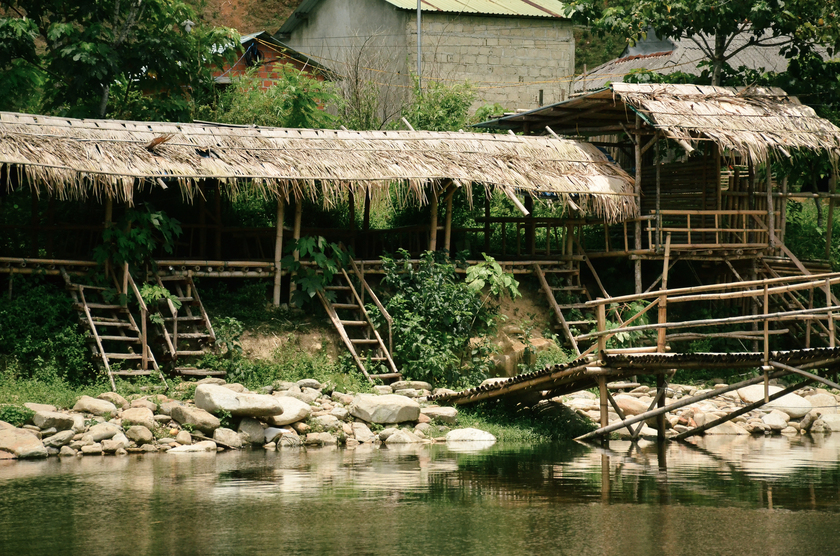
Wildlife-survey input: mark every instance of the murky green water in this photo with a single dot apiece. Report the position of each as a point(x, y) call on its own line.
point(723, 495)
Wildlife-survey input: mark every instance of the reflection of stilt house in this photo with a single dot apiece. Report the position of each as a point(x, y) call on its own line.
point(96, 168)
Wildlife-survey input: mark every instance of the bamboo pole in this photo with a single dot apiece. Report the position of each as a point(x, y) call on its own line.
point(217, 200)
point(278, 248)
point(637, 232)
point(433, 204)
point(712, 287)
point(602, 325)
point(447, 226)
point(740, 411)
point(661, 385)
point(771, 218)
point(663, 300)
point(832, 186)
point(682, 402)
point(818, 378)
point(296, 238)
point(788, 315)
point(783, 211)
point(603, 394)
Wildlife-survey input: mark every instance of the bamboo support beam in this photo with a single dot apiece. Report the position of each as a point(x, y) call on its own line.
point(801, 372)
point(637, 231)
point(740, 411)
point(682, 402)
point(278, 248)
point(433, 224)
point(663, 300)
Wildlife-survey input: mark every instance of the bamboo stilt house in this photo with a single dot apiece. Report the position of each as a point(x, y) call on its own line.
point(702, 160)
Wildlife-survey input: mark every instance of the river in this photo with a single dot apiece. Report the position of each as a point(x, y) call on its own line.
point(719, 495)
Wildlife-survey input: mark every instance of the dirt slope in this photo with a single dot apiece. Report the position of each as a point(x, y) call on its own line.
point(246, 16)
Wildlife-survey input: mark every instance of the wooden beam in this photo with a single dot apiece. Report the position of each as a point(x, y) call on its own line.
point(433, 224)
point(818, 378)
point(447, 225)
point(296, 237)
point(663, 300)
point(637, 231)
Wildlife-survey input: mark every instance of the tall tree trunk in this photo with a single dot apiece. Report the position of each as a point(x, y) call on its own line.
point(718, 59)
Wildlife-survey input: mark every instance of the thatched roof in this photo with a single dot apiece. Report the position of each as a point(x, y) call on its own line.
point(76, 159)
point(751, 121)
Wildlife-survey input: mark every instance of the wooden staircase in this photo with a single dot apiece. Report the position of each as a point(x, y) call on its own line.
point(563, 279)
point(115, 337)
point(186, 330)
point(354, 325)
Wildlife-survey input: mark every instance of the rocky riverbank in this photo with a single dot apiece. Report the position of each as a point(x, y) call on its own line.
point(213, 415)
point(222, 416)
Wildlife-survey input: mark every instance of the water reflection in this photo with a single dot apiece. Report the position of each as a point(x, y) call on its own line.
point(639, 497)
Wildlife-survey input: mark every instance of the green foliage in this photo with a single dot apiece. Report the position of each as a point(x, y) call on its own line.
point(136, 236)
point(15, 414)
point(440, 107)
point(623, 312)
point(513, 423)
point(39, 337)
point(794, 29)
point(435, 317)
point(152, 294)
point(490, 274)
point(229, 336)
point(296, 100)
point(328, 259)
point(83, 48)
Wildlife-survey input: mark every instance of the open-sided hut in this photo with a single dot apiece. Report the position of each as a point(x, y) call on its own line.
point(103, 162)
point(713, 193)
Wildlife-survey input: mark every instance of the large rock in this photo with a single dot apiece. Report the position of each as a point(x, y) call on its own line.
point(215, 399)
point(320, 439)
point(195, 417)
point(253, 429)
point(328, 422)
point(469, 435)
point(410, 384)
point(824, 404)
point(59, 439)
point(831, 421)
point(203, 446)
point(389, 408)
point(114, 398)
point(403, 436)
point(630, 405)
point(22, 443)
point(362, 433)
point(140, 434)
point(49, 419)
point(294, 410)
point(167, 407)
point(775, 421)
point(118, 442)
point(86, 404)
point(139, 416)
point(447, 415)
point(793, 404)
point(227, 437)
point(36, 407)
point(102, 431)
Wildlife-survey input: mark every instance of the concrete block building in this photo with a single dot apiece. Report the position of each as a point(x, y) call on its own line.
point(518, 53)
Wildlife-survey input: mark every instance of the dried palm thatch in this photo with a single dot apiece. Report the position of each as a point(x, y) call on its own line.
point(78, 159)
point(752, 121)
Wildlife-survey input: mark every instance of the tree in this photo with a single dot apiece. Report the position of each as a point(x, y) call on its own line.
point(794, 27)
point(83, 49)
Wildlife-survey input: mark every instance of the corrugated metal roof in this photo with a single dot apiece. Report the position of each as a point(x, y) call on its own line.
point(515, 8)
point(530, 8)
point(679, 55)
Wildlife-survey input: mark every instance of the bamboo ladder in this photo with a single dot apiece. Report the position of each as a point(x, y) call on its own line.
point(113, 329)
point(355, 327)
point(187, 329)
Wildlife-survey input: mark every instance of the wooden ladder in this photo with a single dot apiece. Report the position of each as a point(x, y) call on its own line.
point(112, 328)
point(186, 330)
point(354, 325)
point(571, 275)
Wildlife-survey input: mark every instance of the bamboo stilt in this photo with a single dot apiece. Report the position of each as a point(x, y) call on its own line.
point(278, 249)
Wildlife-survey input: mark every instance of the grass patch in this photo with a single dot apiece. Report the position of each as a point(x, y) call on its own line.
point(509, 423)
point(17, 391)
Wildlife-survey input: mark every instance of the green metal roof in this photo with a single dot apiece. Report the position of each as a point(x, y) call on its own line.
point(530, 8)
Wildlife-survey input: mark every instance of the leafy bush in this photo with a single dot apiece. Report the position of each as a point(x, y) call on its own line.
point(39, 336)
point(440, 107)
point(15, 415)
point(329, 259)
point(136, 236)
point(436, 315)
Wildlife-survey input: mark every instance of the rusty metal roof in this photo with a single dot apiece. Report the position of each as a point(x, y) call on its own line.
point(529, 8)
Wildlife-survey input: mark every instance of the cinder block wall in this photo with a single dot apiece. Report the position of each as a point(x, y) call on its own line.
point(508, 60)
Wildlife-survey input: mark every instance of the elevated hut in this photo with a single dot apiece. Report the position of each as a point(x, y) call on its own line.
point(710, 186)
point(105, 162)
